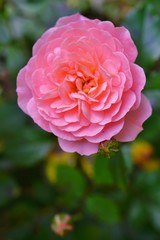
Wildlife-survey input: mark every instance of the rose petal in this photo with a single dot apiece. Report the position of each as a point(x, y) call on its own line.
point(134, 120)
point(41, 41)
point(124, 36)
point(37, 118)
point(139, 81)
point(107, 133)
point(90, 130)
point(62, 134)
point(71, 127)
point(71, 115)
point(23, 92)
point(109, 113)
point(69, 19)
point(107, 26)
point(128, 99)
point(83, 147)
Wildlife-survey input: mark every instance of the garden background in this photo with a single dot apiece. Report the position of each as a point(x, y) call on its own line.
point(107, 199)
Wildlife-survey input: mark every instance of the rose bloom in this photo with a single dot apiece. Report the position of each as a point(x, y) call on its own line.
point(82, 84)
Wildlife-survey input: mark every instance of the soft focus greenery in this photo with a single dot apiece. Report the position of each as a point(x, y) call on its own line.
point(107, 199)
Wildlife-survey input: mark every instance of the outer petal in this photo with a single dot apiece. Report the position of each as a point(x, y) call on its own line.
point(107, 26)
point(63, 134)
point(41, 40)
point(69, 19)
point(83, 147)
point(128, 99)
point(124, 36)
point(139, 80)
point(23, 91)
point(108, 132)
point(134, 120)
point(33, 112)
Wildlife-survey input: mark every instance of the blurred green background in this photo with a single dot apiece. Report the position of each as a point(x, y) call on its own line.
point(107, 199)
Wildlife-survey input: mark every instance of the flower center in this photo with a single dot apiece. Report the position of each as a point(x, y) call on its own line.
point(80, 82)
point(88, 84)
point(84, 84)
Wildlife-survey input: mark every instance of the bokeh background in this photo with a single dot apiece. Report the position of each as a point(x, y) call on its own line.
point(107, 199)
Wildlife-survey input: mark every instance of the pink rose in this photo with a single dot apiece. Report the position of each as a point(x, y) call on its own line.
point(82, 84)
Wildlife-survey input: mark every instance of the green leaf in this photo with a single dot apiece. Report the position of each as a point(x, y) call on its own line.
point(31, 9)
point(25, 216)
point(154, 97)
point(144, 28)
point(145, 205)
point(128, 161)
point(138, 213)
point(113, 171)
point(154, 215)
point(151, 133)
point(103, 208)
point(5, 33)
point(15, 58)
point(9, 189)
point(42, 192)
point(23, 145)
point(147, 184)
point(90, 230)
point(102, 173)
point(153, 82)
point(23, 212)
point(27, 153)
point(71, 183)
point(22, 232)
point(119, 168)
point(12, 119)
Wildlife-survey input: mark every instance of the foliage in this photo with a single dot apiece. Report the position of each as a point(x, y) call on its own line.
point(116, 198)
